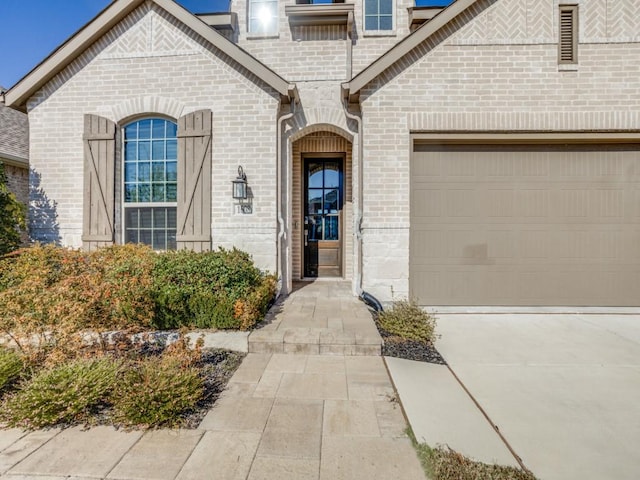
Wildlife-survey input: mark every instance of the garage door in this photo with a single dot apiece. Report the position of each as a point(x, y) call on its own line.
point(525, 225)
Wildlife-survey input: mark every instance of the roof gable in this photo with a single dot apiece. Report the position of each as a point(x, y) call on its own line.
point(352, 88)
point(18, 95)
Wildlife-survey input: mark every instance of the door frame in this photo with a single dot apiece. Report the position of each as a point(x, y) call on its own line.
point(304, 157)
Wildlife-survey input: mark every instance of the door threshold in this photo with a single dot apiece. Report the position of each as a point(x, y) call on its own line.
point(321, 279)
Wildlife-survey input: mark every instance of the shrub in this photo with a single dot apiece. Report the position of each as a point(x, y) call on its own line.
point(64, 394)
point(12, 217)
point(202, 289)
point(156, 392)
point(11, 366)
point(48, 295)
point(407, 320)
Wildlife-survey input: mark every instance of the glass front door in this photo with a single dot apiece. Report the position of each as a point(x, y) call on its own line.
point(323, 201)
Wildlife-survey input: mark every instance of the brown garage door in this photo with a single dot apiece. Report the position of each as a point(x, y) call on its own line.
point(525, 225)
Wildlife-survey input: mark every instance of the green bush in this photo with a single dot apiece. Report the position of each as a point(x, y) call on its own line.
point(407, 320)
point(64, 394)
point(156, 393)
point(11, 366)
point(12, 217)
point(203, 289)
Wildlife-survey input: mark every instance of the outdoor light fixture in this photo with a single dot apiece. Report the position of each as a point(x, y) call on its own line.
point(240, 185)
point(241, 192)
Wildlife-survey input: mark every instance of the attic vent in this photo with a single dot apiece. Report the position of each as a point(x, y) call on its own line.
point(568, 45)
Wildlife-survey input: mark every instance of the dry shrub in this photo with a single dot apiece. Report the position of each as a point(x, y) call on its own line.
point(407, 320)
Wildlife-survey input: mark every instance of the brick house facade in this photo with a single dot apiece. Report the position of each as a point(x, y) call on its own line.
point(481, 153)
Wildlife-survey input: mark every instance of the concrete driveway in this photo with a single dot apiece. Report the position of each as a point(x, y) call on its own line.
point(562, 389)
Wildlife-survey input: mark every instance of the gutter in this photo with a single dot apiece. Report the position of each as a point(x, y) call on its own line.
point(283, 270)
point(357, 221)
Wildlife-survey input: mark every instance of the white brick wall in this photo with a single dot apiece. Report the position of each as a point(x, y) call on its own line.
point(478, 80)
point(121, 77)
point(495, 69)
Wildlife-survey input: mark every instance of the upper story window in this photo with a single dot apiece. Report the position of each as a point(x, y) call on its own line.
point(263, 17)
point(150, 183)
point(378, 15)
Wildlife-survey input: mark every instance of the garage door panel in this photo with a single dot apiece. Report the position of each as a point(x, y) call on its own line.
point(526, 225)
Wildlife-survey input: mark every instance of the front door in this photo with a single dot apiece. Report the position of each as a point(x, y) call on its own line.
point(323, 200)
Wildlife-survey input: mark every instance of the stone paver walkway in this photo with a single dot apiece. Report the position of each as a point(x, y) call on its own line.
point(322, 317)
point(283, 416)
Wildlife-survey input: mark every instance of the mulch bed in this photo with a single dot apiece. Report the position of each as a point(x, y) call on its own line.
point(394, 346)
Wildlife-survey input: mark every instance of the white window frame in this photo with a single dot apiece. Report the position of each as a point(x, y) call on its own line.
point(128, 205)
point(379, 33)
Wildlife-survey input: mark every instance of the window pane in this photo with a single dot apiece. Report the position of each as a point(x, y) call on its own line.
point(315, 227)
point(385, 7)
point(130, 193)
point(371, 23)
point(371, 7)
point(159, 240)
point(131, 131)
point(130, 172)
point(158, 128)
point(172, 150)
point(158, 150)
point(158, 192)
point(171, 241)
point(131, 236)
point(144, 172)
point(144, 193)
point(386, 23)
point(145, 237)
point(145, 217)
point(331, 228)
point(331, 201)
point(144, 129)
point(158, 171)
point(159, 218)
point(315, 201)
point(172, 192)
point(130, 151)
point(171, 218)
point(171, 130)
point(331, 176)
point(172, 171)
point(315, 175)
point(131, 218)
point(144, 150)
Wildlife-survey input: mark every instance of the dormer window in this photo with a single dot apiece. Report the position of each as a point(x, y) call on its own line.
point(263, 17)
point(378, 16)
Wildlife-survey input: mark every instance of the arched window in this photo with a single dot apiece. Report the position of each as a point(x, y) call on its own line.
point(150, 183)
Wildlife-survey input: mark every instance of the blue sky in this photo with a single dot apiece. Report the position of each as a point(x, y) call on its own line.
point(32, 29)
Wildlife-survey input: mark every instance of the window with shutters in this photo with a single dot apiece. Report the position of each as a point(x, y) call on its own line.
point(150, 169)
point(568, 43)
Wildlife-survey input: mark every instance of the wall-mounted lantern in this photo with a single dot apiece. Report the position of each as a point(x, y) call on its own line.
point(241, 192)
point(240, 185)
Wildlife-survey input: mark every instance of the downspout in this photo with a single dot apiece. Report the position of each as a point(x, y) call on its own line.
point(357, 221)
point(282, 270)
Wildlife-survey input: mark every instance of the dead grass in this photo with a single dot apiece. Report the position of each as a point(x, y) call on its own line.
point(442, 463)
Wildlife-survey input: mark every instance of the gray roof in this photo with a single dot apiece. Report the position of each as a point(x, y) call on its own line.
point(14, 134)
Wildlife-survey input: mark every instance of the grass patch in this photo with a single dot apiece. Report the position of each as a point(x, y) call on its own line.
point(443, 463)
point(407, 320)
point(65, 394)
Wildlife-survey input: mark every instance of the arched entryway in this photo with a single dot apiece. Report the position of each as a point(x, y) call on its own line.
point(322, 209)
